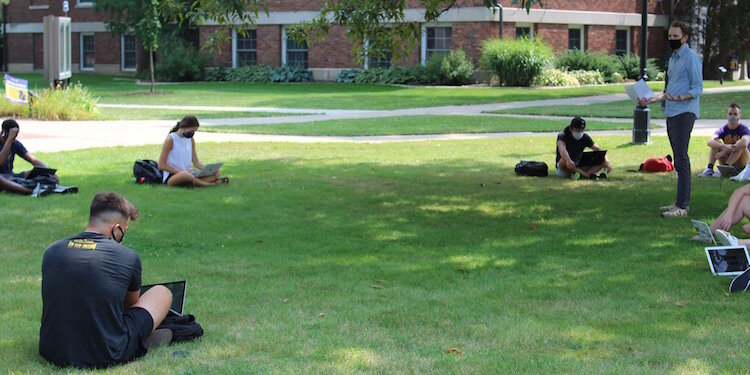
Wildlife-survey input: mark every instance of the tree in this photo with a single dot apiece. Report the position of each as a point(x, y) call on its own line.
point(138, 16)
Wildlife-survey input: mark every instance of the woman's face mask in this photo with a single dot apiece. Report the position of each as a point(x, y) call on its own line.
point(577, 135)
point(188, 134)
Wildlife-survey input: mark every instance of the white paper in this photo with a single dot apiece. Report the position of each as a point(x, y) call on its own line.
point(639, 91)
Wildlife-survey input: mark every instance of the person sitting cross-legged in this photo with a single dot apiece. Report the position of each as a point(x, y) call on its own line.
point(93, 314)
point(729, 145)
point(570, 145)
point(178, 155)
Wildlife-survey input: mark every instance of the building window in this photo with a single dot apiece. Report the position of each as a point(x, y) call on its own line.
point(85, 3)
point(622, 42)
point(523, 32)
point(295, 54)
point(246, 48)
point(87, 51)
point(574, 39)
point(129, 61)
point(383, 61)
point(439, 40)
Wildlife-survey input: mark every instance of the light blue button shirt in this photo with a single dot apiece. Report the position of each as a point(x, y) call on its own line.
point(685, 77)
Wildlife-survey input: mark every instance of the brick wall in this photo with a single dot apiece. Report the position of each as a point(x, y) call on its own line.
point(20, 48)
point(620, 6)
point(222, 56)
point(333, 52)
point(555, 35)
point(19, 12)
point(601, 39)
point(469, 36)
point(656, 47)
point(107, 49)
point(269, 45)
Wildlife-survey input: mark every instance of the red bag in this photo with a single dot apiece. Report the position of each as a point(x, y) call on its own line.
point(654, 165)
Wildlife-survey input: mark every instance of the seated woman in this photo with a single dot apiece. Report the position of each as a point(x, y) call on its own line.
point(737, 209)
point(178, 153)
point(570, 145)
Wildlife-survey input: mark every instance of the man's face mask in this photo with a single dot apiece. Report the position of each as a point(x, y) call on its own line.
point(733, 119)
point(577, 135)
point(675, 44)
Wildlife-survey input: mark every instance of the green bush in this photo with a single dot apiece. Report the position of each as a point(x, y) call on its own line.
point(179, 61)
point(556, 77)
point(631, 67)
point(453, 68)
point(290, 74)
point(73, 103)
point(347, 75)
point(515, 62)
point(572, 60)
point(375, 75)
point(406, 75)
point(217, 74)
point(588, 77)
point(250, 73)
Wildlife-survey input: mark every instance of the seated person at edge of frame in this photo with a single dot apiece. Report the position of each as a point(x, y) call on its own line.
point(12, 147)
point(178, 153)
point(729, 145)
point(737, 209)
point(93, 314)
point(570, 145)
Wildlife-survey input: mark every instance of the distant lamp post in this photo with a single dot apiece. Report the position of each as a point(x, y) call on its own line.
point(642, 115)
point(500, 18)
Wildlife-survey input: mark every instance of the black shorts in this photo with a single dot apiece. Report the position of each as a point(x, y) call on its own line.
point(139, 324)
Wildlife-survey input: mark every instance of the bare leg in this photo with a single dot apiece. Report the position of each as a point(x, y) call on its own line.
point(733, 157)
point(212, 178)
point(157, 302)
point(9, 185)
point(568, 168)
point(186, 178)
point(712, 156)
point(743, 210)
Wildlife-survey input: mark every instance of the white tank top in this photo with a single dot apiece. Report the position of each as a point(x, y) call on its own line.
point(181, 155)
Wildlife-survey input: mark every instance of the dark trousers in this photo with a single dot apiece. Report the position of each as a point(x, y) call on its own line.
point(678, 129)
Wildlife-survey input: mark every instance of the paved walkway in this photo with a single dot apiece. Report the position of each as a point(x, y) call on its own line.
point(50, 136)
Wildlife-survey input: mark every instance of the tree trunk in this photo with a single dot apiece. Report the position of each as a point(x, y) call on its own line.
point(151, 63)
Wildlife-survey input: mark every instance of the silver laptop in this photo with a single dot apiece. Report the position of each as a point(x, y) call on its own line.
point(704, 232)
point(209, 170)
point(728, 260)
point(727, 170)
point(178, 289)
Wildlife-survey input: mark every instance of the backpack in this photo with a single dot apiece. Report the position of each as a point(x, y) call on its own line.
point(183, 327)
point(147, 172)
point(531, 168)
point(654, 165)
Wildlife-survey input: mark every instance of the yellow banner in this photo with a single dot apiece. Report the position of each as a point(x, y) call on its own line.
point(16, 90)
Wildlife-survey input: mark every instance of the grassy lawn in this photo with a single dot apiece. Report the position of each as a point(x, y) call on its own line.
point(173, 114)
point(119, 89)
point(713, 106)
point(414, 125)
point(383, 258)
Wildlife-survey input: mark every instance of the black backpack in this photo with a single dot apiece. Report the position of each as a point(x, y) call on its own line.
point(183, 327)
point(147, 172)
point(531, 168)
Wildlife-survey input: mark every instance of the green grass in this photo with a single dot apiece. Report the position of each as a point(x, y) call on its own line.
point(171, 114)
point(713, 106)
point(414, 125)
point(119, 89)
point(379, 258)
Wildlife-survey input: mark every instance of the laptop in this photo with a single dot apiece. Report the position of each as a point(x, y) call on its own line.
point(209, 170)
point(728, 260)
point(727, 170)
point(178, 289)
point(593, 157)
point(41, 171)
point(704, 232)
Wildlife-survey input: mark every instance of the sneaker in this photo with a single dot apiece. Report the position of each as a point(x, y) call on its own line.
point(602, 175)
point(575, 176)
point(707, 173)
point(725, 238)
point(42, 190)
point(740, 283)
point(717, 174)
point(675, 212)
point(667, 208)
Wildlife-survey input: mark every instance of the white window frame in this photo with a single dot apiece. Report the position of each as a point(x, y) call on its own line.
point(627, 39)
point(366, 65)
point(526, 24)
point(80, 47)
point(424, 38)
point(234, 47)
point(283, 48)
point(582, 39)
point(122, 55)
point(84, 3)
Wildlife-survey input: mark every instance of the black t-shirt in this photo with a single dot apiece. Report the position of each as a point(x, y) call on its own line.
point(84, 282)
point(574, 147)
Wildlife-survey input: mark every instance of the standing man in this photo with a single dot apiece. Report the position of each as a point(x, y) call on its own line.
point(93, 313)
point(682, 97)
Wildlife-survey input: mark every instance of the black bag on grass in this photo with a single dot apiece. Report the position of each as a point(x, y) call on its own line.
point(147, 172)
point(531, 168)
point(183, 327)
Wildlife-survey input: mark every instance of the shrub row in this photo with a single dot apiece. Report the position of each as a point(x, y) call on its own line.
point(72, 103)
point(258, 74)
point(612, 67)
point(453, 68)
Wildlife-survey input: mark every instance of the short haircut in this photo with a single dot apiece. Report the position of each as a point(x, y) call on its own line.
point(735, 105)
point(682, 26)
point(9, 124)
point(108, 202)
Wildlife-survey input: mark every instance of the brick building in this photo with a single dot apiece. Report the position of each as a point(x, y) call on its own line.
point(596, 25)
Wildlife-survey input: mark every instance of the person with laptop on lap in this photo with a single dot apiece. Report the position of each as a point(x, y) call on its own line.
point(570, 145)
point(92, 312)
point(178, 154)
point(729, 145)
point(12, 147)
point(682, 108)
point(737, 209)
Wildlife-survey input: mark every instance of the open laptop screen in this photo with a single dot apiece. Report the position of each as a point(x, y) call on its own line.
point(728, 260)
point(178, 294)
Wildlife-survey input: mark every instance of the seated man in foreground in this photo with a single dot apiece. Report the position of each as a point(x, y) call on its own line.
point(570, 145)
point(729, 145)
point(92, 312)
